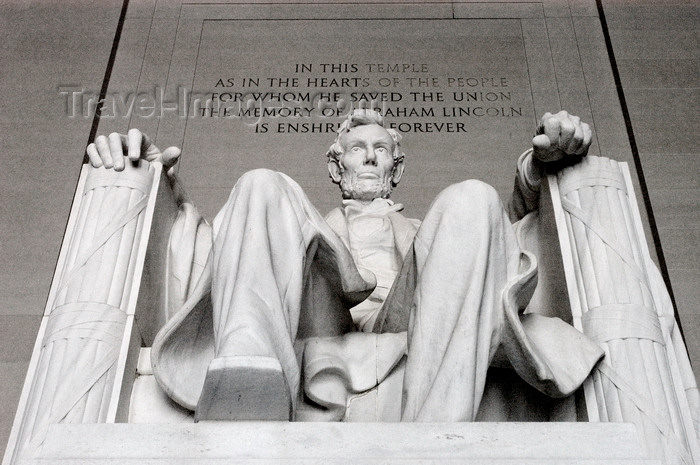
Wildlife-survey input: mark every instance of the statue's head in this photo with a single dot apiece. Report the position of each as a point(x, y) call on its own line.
point(365, 159)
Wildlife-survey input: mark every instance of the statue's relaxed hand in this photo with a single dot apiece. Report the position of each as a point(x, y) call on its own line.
point(109, 151)
point(560, 136)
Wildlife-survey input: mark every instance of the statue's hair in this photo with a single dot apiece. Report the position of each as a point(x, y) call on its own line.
point(361, 117)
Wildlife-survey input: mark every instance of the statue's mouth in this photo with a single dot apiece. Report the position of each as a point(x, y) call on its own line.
point(367, 175)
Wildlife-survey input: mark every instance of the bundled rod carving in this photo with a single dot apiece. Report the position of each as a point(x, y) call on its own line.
point(619, 299)
point(90, 307)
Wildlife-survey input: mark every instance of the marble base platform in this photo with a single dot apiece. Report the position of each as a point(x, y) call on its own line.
point(342, 443)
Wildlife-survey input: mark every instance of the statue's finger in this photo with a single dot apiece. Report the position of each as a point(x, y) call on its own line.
point(576, 140)
point(540, 125)
point(170, 156)
point(103, 149)
point(566, 133)
point(148, 150)
point(115, 147)
point(93, 156)
point(587, 139)
point(134, 140)
point(545, 117)
point(551, 129)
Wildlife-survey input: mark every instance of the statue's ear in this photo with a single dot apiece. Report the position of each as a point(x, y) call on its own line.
point(397, 173)
point(334, 170)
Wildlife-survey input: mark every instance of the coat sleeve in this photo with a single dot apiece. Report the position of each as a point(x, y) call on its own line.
point(184, 346)
point(526, 191)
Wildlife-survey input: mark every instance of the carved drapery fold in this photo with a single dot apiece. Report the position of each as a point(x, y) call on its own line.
point(618, 299)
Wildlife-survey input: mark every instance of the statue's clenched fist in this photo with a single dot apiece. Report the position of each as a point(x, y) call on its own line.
point(109, 151)
point(559, 136)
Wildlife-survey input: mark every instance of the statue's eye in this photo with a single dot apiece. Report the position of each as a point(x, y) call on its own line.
point(356, 149)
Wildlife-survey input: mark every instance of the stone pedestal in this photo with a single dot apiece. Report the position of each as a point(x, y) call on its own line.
point(338, 443)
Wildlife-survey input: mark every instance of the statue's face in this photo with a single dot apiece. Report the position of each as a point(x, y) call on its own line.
point(367, 163)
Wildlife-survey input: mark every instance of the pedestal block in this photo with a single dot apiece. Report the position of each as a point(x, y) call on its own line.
point(341, 443)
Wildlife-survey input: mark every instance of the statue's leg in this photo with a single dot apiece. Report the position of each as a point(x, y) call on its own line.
point(465, 251)
point(261, 236)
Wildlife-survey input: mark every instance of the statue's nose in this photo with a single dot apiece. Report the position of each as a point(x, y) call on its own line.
point(371, 157)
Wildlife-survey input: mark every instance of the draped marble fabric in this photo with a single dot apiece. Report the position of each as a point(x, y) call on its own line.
point(279, 275)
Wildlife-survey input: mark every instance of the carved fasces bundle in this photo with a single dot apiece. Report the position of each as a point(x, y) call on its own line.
point(619, 300)
point(91, 303)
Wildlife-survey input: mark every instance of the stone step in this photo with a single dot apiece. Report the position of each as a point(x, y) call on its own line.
point(342, 443)
point(382, 461)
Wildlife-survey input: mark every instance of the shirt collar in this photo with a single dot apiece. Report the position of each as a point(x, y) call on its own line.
point(379, 206)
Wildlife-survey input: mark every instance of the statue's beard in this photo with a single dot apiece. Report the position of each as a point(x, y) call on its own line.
point(365, 189)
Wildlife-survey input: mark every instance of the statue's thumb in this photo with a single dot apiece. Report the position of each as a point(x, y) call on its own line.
point(170, 156)
point(541, 143)
point(543, 148)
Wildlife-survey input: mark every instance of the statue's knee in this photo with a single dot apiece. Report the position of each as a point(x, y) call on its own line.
point(260, 182)
point(258, 177)
point(469, 195)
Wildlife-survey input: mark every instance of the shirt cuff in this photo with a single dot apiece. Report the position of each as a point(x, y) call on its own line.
point(530, 176)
